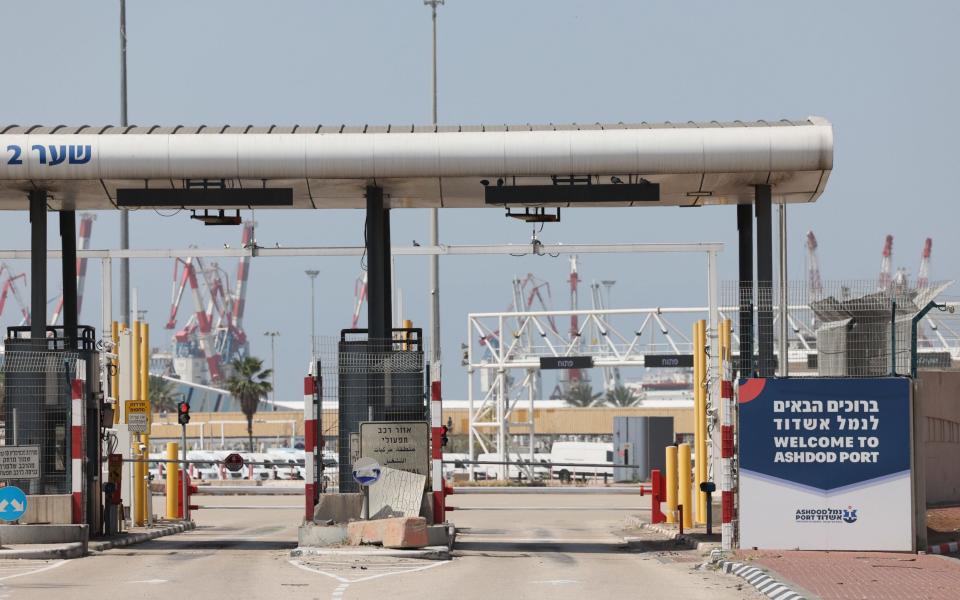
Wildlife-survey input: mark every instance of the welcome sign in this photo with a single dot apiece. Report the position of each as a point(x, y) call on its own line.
point(825, 464)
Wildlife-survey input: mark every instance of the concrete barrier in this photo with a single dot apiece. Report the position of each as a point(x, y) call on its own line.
point(43, 534)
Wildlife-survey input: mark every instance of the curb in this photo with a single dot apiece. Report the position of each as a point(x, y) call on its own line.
point(761, 580)
point(59, 551)
point(681, 538)
point(428, 553)
point(137, 538)
point(944, 548)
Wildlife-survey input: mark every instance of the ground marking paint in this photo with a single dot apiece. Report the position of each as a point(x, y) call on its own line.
point(300, 565)
point(40, 570)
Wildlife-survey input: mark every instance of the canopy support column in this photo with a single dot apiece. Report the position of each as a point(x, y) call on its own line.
point(745, 283)
point(762, 204)
point(68, 265)
point(38, 264)
point(379, 304)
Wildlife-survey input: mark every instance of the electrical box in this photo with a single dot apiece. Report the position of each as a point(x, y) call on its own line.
point(639, 441)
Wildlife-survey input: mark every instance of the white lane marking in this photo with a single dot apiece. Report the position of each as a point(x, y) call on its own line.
point(466, 537)
point(40, 570)
point(338, 593)
point(150, 581)
point(557, 581)
point(300, 565)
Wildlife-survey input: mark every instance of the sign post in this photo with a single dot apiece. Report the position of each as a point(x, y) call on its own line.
point(136, 415)
point(401, 445)
point(233, 462)
point(366, 472)
point(13, 503)
point(825, 464)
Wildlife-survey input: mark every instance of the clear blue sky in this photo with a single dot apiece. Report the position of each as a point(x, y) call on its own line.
point(884, 73)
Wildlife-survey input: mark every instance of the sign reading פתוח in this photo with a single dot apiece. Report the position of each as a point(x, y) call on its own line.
point(825, 464)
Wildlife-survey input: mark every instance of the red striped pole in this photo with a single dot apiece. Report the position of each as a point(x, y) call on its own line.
point(436, 423)
point(311, 490)
point(726, 455)
point(77, 446)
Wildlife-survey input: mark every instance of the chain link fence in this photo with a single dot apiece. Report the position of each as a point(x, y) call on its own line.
point(841, 329)
point(368, 381)
point(36, 430)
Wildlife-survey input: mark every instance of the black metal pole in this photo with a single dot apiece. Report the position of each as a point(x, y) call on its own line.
point(762, 201)
point(745, 249)
point(379, 309)
point(38, 264)
point(68, 265)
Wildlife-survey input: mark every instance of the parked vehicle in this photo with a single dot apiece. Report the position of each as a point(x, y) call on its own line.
point(511, 471)
point(575, 454)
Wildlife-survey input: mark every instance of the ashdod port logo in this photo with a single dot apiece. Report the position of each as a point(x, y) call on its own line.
point(826, 515)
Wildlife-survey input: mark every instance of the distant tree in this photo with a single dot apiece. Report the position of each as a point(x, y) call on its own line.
point(162, 395)
point(621, 396)
point(581, 395)
point(249, 384)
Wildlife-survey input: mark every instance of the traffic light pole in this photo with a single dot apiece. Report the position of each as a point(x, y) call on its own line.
point(184, 471)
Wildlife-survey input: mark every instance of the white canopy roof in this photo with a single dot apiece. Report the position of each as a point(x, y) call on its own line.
point(329, 167)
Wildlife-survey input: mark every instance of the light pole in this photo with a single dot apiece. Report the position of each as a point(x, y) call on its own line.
point(434, 226)
point(273, 364)
point(124, 215)
point(312, 274)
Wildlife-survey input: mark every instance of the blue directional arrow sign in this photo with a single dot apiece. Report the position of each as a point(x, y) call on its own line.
point(13, 503)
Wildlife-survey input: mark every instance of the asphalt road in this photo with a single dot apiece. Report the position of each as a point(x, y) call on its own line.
point(511, 547)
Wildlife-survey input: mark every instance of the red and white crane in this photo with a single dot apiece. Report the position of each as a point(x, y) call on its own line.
point(814, 283)
point(886, 268)
point(923, 275)
point(86, 228)
point(360, 295)
point(214, 332)
point(10, 288)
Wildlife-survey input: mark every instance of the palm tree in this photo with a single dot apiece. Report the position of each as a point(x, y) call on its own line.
point(162, 395)
point(581, 395)
point(621, 396)
point(249, 383)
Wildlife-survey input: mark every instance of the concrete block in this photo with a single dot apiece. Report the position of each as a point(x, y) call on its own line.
point(438, 535)
point(43, 534)
point(53, 509)
point(366, 532)
point(313, 535)
point(339, 508)
point(405, 532)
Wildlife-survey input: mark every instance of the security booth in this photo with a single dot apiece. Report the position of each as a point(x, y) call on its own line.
point(379, 381)
point(52, 408)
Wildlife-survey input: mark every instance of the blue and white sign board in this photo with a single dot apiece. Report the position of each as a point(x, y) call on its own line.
point(825, 464)
point(13, 503)
point(366, 471)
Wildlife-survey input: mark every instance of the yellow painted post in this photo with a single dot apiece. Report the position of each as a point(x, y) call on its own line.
point(697, 415)
point(173, 481)
point(726, 340)
point(140, 468)
point(701, 451)
point(671, 462)
point(144, 350)
point(407, 324)
point(683, 484)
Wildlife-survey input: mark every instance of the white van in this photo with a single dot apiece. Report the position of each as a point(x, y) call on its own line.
point(566, 457)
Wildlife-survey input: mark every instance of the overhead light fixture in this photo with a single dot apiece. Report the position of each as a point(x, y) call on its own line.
point(536, 214)
point(217, 218)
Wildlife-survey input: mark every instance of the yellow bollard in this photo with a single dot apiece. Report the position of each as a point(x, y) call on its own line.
point(144, 351)
point(683, 484)
point(173, 481)
point(407, 324)
point(701, 449)
point(671, 475)
point(697, 416)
